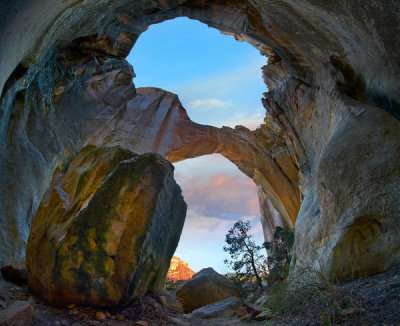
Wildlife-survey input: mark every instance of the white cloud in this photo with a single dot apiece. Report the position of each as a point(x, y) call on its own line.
point(203, 166)
point(251, 122)
point(207, 104)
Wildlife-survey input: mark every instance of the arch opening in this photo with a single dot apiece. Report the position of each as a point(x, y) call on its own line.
point(217, 195)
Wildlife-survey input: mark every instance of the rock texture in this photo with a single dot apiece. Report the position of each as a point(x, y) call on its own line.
point(332, 132)
point(106, 229)
point(205, 287)
point(179, 270)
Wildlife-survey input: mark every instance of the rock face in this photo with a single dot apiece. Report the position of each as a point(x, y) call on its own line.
point(205, 287)
point(326, 160)
point(179, 270)
point(106, 229)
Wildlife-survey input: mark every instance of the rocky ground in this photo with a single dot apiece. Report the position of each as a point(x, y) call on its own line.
point(23, 309)
point(377, 302)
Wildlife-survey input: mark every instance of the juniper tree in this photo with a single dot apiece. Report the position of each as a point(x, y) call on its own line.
point(279, 250)
point(247, 261)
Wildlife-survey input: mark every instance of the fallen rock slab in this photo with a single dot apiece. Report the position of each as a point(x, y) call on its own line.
point(224, 308)
point(264, 315)
point(253, 308)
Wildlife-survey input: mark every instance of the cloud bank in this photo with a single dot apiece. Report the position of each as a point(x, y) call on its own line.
point(218, 195)
point(208, 104)
point(221, 194)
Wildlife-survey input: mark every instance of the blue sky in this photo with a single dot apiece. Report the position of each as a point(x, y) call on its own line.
point(219, 82)
point(217, 79)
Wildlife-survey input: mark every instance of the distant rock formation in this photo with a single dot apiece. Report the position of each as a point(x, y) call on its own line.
point(179, 270)
point(96, 238)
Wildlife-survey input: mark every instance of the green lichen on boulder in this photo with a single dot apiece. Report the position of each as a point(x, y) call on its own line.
point(96, 239)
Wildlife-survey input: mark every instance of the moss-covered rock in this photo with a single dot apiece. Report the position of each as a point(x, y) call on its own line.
point(106, 229)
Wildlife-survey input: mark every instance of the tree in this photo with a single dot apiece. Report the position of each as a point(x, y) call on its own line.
point(247, 262)
point(279, 250)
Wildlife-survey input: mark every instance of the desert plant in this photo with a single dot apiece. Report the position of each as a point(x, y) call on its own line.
point(315, 298)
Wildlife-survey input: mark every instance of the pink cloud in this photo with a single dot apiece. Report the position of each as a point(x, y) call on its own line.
point(221, 194)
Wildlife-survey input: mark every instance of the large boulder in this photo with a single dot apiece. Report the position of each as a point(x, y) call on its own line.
point(205, 287)
point(106, 229)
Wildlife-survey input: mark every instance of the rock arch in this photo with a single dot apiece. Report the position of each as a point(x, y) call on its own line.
point(332, 103)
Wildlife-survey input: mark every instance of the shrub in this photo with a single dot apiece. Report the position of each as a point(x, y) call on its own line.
point(279, 253)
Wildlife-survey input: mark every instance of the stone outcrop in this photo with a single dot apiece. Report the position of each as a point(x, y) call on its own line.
point(106, 229)
point(205, 287)
point(331, 137)
point(179, 270)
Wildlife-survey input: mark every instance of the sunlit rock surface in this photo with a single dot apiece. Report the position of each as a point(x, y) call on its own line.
point(331, 136)
point(106, 229)
point(179, 270)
